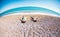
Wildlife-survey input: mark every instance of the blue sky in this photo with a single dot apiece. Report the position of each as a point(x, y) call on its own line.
point(48, 4)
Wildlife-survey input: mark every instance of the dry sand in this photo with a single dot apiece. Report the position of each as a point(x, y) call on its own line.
point(46, 26)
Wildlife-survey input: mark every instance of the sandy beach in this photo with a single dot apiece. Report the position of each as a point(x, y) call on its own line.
point(45, 26)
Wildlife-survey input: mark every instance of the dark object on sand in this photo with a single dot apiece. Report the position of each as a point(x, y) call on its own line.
point(34, 20)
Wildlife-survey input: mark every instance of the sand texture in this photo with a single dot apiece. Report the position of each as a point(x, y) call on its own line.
point(45, 26)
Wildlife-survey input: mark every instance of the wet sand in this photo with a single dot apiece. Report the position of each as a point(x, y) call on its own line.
point(46, 26)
